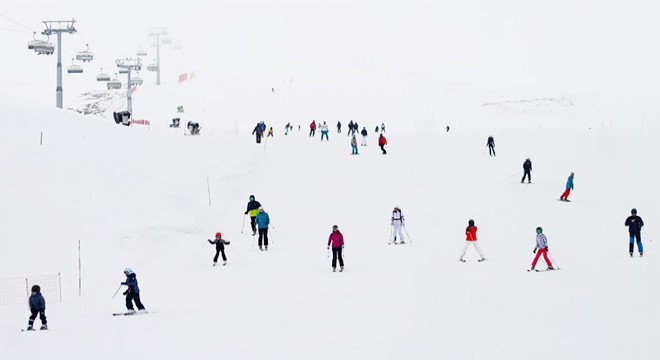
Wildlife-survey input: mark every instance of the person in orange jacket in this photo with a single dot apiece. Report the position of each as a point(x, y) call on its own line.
point(382, 142)
point(471, 239)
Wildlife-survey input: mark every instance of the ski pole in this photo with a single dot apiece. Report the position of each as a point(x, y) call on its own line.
point(553, 260)
point(516, 174)
point(391, 230)
point(243, 226)
point(328, 252)
point(406, 230)
point(113, 296)
point(272, 239)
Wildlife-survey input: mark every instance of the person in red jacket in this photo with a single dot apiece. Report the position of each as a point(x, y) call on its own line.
point(471, 239)
point(312, 128)
point(337, 241)
point(382, 142)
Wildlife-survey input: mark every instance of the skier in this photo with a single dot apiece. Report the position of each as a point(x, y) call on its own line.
point(491, 146)
point(324, 131)
point(263, 220)
point(354, 148)
point(471, 239)
point(397, 223)
point(270, 132)
point(286, 128)
point(376, 129)
point(263, 127)
point(336, 239)
point(253, 209)
point(541, 249)
point(364, 136)
point(635, 224)
point(447, 128)
point(527, 168)
point(219, 248)
point(37, 307)
point(569, 187)
point(133, 291)
point(350, 128)
point(382, 142)
point(339, 127)
point(312, 128)
point(382, 127)
point(193, 128)
point(258, 132)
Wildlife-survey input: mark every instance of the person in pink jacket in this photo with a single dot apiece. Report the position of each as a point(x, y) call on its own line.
point(337, 241)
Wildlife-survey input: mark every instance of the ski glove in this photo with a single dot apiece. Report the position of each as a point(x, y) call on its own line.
point(534, 251)
point(328, 247)
point(126, 292)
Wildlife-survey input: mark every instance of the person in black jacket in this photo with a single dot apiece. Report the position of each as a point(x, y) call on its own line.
point(133, 291)
point(258, 132)
point(253, 209)
point(527, 168)
point(339, 127)
point(634, 224)
point(219, 248)
point(491, 146)
point(37, 307)
point(364, 136)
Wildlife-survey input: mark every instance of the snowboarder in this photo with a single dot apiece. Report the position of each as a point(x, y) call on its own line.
point(569, 187)
point(253, 209)
point(312, 128)
point(382, 127)
point(324, 131)
point(37, 307)
point(258, 133)
point(397, 222)
point(336, 239)
point(635, 224)
point(270, 132)
point(364, 136)
point(133, 291)
point(382, 141)
point(263, 220)
point(471, 239)
point(527, 168)
point(219, 248)
point(541, 249)
point(491, 146)
point(339, 127)
point(354, 148)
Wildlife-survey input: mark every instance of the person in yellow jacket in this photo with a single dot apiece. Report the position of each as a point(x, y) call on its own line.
point(253, 209)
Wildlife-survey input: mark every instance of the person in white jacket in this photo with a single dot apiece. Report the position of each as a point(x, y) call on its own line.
point(541, 249)
point(324, 131)
point(397, 223)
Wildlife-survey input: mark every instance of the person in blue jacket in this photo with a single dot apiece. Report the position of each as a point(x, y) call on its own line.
point(634, 224)
point(569, 187)
point(37, 307)
point(263, 220)
point(133, 291)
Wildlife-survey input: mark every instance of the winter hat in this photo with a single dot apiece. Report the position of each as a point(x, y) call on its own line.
point(633, 211)
point(128, 271)
point(572, 174)
point(471, 222)
point(251, 197)
point(261, 209)
point(335, 227)
point(36, 288)
point(218, 235)
point(539, 230)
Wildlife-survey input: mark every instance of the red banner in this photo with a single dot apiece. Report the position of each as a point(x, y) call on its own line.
point(141, 122)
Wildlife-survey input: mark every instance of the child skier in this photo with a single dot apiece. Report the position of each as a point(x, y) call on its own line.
point(541, 249)
point(133, 291)
point(253, 209)
point(634, 224)
point(270, 132)
point(471, 239)
point(569, 187)
point(336, 239)
point(219, 248)
point(37, 307)
point(263, 220)
point(397, 223)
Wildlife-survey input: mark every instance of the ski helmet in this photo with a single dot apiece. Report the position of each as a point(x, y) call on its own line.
point(335, 227)
point(218, 235)
point(633, 211)
point(36, 288)
point(261, 209)
point(251, 197)
point(128, 271)
point(471, 222)
point(539, 230)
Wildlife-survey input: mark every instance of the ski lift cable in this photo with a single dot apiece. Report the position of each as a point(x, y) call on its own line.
point(17, 23)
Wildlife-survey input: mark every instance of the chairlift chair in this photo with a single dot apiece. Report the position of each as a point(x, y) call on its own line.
point(152, 67)
point(167, 41)
point(74, 68)
point(42, 47)
point(102, 77)
point(85, 55)
point(114, 84)
point(141, 52)
point(136, 81)
point(34, 42)
point(123, 70)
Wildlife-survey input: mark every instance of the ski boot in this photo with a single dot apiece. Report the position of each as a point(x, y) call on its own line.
point(480, 260)
point(224, 263)
point(44, 327)
point(341, 269)
point(641, 254)
point(29, 328)
point(215, 263)
point(334, 269)
point(551, 268)
point(631, 254)
point(266, 248)
point(532, 269)
point(261, 248)
point(461, 260)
